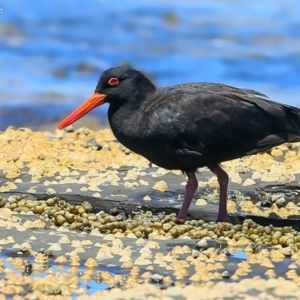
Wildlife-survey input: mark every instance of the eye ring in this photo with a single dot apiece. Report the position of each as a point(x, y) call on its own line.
point(113, 81)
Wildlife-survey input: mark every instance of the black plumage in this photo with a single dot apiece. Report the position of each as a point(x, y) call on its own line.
point(191, 125)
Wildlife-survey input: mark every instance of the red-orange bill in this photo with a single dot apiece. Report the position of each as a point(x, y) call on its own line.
point(91, 103)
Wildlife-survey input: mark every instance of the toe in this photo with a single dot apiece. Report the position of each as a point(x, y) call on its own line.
point(180, 221)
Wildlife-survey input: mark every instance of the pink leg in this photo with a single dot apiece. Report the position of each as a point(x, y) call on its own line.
point(190, 190)
point(223, 183)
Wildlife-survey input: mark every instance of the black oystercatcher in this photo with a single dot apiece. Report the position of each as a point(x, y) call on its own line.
point(190, 125)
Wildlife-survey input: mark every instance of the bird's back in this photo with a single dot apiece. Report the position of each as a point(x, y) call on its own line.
point(197, 124)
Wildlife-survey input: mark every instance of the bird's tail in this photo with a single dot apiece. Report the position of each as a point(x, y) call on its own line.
point(292, 124)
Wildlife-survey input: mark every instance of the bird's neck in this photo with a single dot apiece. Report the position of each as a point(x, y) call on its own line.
point(127, 120)
point(124, 127)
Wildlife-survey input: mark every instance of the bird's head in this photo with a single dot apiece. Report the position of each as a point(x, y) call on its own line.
point(116, 86)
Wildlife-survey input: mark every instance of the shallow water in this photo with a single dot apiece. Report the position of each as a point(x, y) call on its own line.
point(52, 52)
point(96, 282)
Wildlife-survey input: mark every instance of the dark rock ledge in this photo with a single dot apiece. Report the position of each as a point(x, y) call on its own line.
point(128, 197)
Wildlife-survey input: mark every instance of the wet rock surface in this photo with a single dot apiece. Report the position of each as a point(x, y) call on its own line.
point(79, 208)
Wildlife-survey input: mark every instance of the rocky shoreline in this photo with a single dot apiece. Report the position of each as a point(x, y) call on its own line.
point(81, 196)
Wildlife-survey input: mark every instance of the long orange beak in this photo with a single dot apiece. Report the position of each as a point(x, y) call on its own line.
point(91, 103)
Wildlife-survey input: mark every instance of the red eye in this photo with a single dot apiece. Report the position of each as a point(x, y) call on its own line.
point(113, 81)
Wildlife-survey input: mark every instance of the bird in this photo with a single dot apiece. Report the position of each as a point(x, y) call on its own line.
point(191, 125)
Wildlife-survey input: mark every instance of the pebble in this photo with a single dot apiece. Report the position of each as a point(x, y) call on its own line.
point(161, 186)
point(202, 244)
point(225, 274)
point(157, 278)
point(281, 202)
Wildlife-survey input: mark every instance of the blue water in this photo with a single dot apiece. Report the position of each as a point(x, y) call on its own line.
point(254, 44)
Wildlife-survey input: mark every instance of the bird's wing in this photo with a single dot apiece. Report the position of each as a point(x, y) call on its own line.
point(219, 121)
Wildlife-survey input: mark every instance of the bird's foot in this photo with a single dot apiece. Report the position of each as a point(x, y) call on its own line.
point(223, 218)
point(179, 221)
